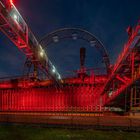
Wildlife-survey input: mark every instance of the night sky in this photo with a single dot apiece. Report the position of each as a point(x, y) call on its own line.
point(106, 19)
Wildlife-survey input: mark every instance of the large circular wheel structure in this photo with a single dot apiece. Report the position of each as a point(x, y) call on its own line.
point(76, 33)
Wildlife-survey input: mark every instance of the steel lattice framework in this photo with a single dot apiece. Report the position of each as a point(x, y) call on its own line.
point(15, 28)
point(125, 76)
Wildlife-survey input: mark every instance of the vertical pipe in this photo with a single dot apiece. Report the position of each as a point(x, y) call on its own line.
point(132, 77)
point(131, 99)
point(125, 107)
point(135, 95)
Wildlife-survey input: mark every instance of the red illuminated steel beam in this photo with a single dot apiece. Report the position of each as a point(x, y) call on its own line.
point(120, 90)
point(15, 28)
point(122, 79)
point(128, 48)
point(112, 94)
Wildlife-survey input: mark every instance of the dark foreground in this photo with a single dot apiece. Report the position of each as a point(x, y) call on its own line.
point(19, 132)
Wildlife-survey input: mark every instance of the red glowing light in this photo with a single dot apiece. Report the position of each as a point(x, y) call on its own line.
point(11, 1)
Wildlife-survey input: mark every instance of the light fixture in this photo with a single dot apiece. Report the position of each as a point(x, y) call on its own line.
point(59, 77)
point(41, 54)
point(11, 2)
point(55, 39)
point(74, 36)
point(92, 43)
point(15, 17)
point(53, 70)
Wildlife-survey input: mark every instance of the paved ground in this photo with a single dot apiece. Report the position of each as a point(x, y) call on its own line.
point(71, 119)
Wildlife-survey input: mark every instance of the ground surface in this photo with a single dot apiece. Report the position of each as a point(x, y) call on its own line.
point(12, 132)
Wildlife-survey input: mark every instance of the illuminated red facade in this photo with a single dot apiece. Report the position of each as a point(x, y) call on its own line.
point(73, 96)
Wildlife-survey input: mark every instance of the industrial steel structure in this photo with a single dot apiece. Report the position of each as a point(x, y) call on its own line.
point(118, 89)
